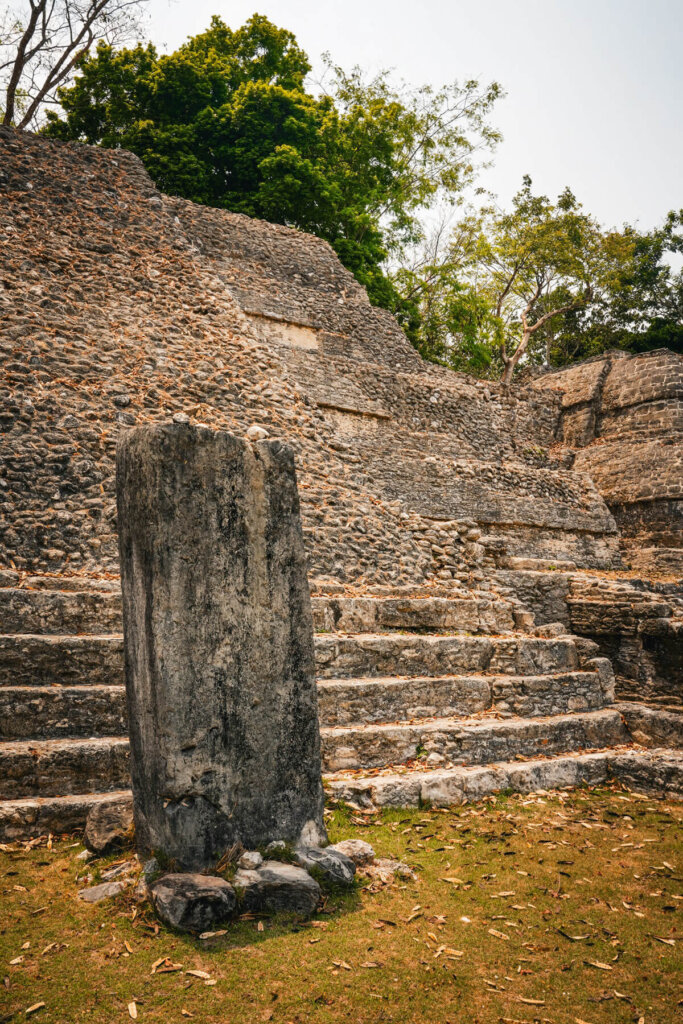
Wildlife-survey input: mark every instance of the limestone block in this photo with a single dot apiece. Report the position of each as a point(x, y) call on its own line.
point(220, 677)
point(335, 867)
point(277, 888)
point(191, 902)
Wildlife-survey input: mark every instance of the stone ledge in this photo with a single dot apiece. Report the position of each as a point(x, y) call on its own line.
point(658, 773)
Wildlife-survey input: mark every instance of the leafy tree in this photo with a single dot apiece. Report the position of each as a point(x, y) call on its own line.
point(542, 282)
point(644, 307)
point(228, 120)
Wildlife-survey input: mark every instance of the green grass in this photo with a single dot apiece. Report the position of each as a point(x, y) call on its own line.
point(506, 883)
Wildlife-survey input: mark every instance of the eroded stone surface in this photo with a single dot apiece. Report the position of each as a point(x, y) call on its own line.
point(334, 866)
point(109, 826)
point(218, 631)
point(277, 888)
point(192, 902)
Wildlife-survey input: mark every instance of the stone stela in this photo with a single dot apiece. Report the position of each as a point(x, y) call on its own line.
point(218, 638)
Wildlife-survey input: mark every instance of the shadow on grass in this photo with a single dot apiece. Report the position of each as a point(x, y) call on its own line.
point(245, 932)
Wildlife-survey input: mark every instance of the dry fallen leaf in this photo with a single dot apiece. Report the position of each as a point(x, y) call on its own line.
point(343, 964)
point(598, 964)
point(532, 1002)
point(132, 1011)
point(34, 1008)
point(498, 935)
point(199, 974)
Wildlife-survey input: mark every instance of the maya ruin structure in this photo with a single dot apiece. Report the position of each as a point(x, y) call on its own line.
point(494, 574)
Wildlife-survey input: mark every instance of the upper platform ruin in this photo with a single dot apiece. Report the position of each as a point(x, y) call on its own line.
point(122, 306)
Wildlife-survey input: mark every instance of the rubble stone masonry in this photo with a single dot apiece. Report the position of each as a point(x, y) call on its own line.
point(121, 306)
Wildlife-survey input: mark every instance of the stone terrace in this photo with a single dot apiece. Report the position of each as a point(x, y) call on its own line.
point(622, 422)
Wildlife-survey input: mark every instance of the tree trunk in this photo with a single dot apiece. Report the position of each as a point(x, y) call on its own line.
point(511, 363)
point(19, 64)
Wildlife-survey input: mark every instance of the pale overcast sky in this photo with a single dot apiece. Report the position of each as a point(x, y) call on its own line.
point(594, 87)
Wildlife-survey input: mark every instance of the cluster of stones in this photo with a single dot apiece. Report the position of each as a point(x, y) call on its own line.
point(261, 886)
point(197, 902)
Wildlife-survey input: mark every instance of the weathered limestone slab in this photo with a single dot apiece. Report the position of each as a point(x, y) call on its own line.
point(218, 631)
point(276, 888)
point(192, 902)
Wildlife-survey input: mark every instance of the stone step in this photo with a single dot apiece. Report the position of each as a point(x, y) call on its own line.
point(62, 612)
point(59, 815)
point(29, 659)
point(468, 741)
point(657, 773)
point(479, 613)
point(50, 712)
point(59, 767)
point(62, 766)
point(398, 654)
point(342, 702)
point(59, 611)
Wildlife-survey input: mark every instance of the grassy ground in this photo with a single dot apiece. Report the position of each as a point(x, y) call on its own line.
point(561, 908)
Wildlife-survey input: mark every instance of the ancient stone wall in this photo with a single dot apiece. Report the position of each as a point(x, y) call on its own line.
point(622, 419)
point(122, 306)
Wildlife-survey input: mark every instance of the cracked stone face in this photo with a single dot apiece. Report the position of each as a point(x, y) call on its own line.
point(220, 675)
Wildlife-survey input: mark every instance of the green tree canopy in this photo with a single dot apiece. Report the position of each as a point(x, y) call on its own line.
point(228, 120)
point(542, 282)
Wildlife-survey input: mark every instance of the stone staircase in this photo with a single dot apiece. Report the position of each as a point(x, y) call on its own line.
point(415, 690)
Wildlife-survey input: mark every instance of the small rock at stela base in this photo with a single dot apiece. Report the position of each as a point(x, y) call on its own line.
point(250, 860)
point(359, 851)
point(181, 417)
point(256, 433)
point(192, 902)
point(97, 893)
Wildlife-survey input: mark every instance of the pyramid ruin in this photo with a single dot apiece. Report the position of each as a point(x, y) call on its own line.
point(495, 574)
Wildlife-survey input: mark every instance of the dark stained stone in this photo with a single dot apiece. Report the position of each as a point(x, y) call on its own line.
point(277, 888)
point(192, 903)
point(220, 677)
